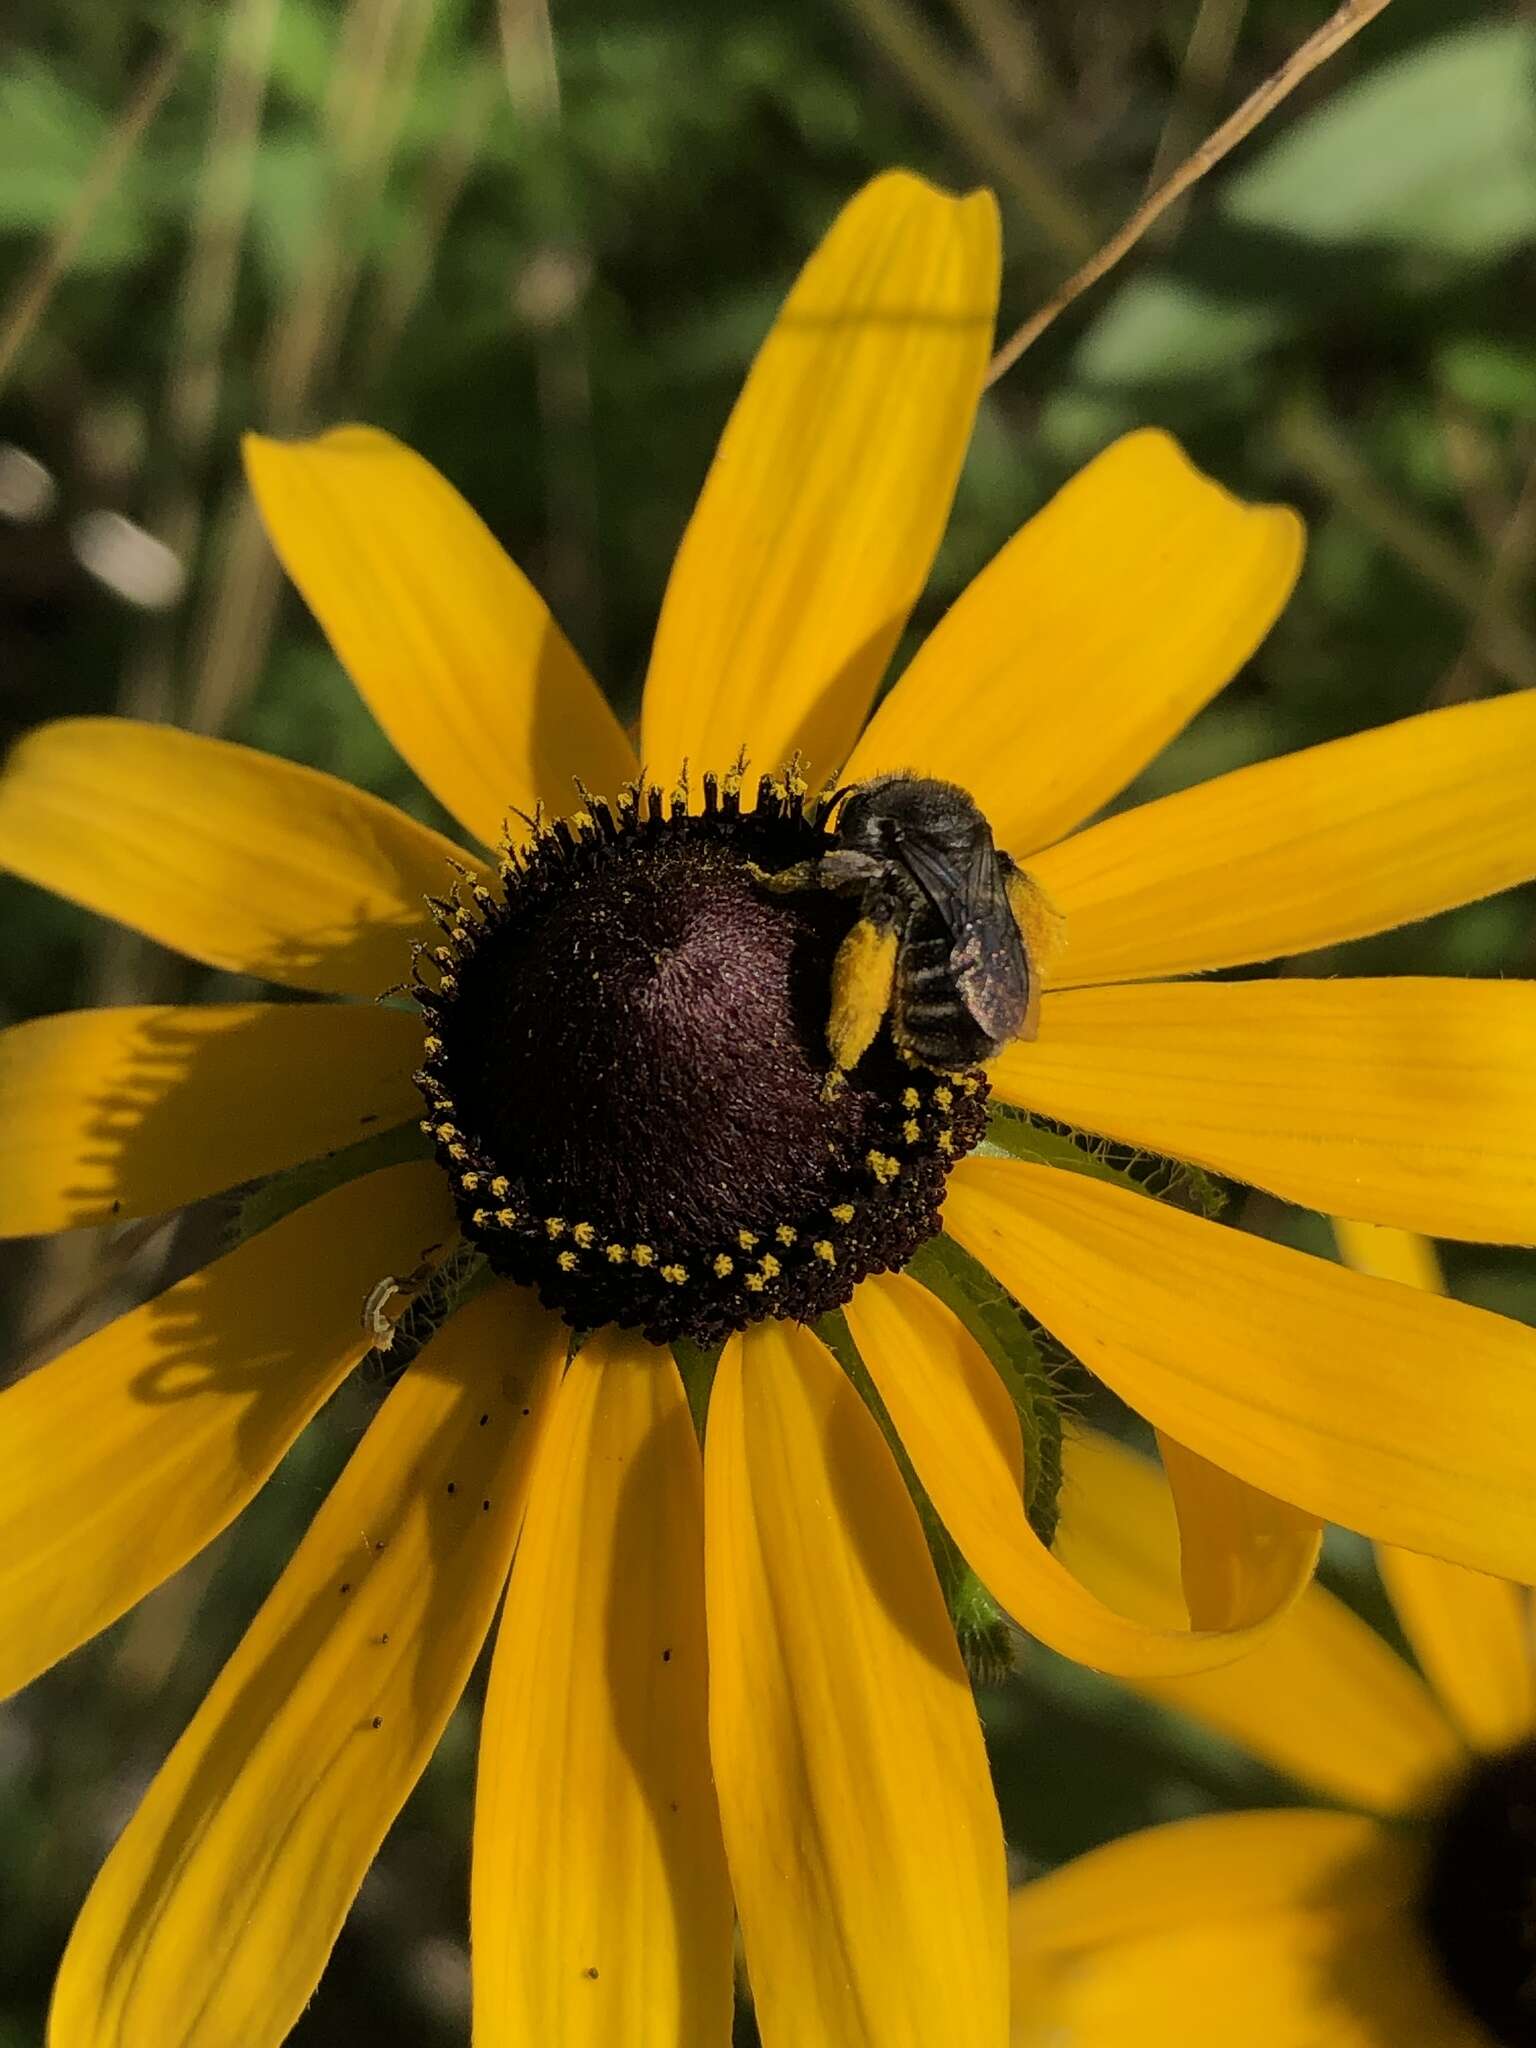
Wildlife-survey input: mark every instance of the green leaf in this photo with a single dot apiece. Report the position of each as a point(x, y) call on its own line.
point(1435, 151)
point(49, 138)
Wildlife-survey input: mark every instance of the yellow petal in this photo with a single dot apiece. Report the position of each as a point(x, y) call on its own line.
point(864, 1842)
point(1328, 844)
point(1243, 1554)
point(231, 856)
point(1403, 1101)
point(601, 1911)
point(1471, 1634)
point(214, 1914)
point(958, 1427)
point(821, 514)
point(1357, 1724)
point(452, 648)
point(122, 1458)
point(1362, 1401)
point(1221, 1866)
point(107, 1114)
point(1388, 1254)
point(1269, 1930)
point(1089, 642)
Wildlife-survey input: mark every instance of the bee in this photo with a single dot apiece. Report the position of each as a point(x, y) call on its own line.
point(938, 944)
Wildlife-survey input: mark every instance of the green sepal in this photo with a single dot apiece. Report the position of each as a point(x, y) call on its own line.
point(270, 1200)
point(1014, 1134)
point(998, 1324)
point(982, 1630)
point(696, 1363)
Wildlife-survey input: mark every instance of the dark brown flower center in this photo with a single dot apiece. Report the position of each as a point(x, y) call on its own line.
point(1479, 1902)
point(625, 1070)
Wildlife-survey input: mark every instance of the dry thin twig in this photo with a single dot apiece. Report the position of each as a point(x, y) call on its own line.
point(1345, 22)
point(36, 288)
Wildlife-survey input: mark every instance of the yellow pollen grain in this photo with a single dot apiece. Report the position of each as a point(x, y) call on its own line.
point(432, 1047)
point(724, 1265)
point(446, 1132)
point(910, 1099)
point(754, 1282)
point(882, 1166)
point(785, 1234)
point(506, 1218)
point(469, 1182)
point(943, 1097)
point(675, 1276)
point(425, 1124)
point(501, 1187)
point(642, 1255)
point(843, 1213)
point(945, 1142)
point(911, 1130)
point(746, 1239)
point(482, 1219)
point(824, 1250)
point(584, 1235)
point(448, 984)
point(617, 1255)
point(458, 1153)
point(769, 1266)
point(969, 1083)
point(567, 1262)
point(555, 1225)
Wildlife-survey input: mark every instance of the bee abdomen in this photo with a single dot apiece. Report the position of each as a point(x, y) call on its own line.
point(939, 1030)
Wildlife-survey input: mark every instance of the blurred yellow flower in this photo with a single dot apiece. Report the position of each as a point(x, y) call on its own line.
point(641, 1040)
point(1407, 1919)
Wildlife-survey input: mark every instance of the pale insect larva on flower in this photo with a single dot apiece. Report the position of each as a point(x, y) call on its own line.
point(951, 932)
point(389, 1299)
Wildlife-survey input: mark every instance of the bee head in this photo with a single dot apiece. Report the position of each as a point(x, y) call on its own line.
point(879, 813)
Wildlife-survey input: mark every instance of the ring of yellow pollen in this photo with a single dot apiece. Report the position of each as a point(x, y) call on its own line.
point(625, 1072)
point(1478, 1904)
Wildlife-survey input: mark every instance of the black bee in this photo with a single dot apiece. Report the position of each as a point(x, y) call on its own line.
point(937, 943)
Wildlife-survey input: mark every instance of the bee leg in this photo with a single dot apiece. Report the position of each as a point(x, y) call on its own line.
point(1043, 930)
point(862, 977)
point(841, 869)
point(805, 874)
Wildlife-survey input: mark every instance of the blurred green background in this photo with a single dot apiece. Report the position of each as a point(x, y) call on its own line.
point(541, 245)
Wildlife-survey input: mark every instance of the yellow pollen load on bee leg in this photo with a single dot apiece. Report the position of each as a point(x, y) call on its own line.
point(1043, 929)
point(862, 975)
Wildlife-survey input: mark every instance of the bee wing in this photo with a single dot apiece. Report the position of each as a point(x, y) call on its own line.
point(969, 895)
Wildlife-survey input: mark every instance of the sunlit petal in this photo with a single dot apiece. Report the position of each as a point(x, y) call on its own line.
point(1473, 1637)
point(1243, 1554)
point(1089, 642)
point(107, 1114)
point(1357, 1725)
point(231, 856)
point(1404, 1101)
point(454, 651)
point(1410, 1418)
point(122, 1458)
point(1472, 1634)
point(1331, 843)
point(820, 517)
point(214, 1915)
point(1273, 1930)
point(864, 1843)
point(601, 1910)
point(959, 1429)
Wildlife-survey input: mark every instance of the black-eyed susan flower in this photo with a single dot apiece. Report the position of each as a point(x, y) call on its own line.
point(1399, 1912)
point(619, 1055)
